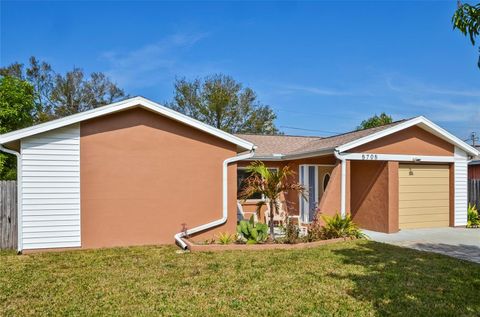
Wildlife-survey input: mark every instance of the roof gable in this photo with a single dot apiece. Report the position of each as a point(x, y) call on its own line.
point(120, 106)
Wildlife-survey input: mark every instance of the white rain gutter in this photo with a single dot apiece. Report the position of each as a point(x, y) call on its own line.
point(19, 196)
point(180, 235)
point(343, 182)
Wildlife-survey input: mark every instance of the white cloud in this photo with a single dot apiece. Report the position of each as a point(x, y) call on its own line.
point(147, 65)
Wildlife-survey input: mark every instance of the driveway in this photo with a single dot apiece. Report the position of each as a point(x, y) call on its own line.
point(460, 243)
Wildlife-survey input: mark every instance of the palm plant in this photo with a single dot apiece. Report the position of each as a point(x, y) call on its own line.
point(270, 184)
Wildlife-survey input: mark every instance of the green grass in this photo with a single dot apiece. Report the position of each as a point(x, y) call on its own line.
point(358, 278)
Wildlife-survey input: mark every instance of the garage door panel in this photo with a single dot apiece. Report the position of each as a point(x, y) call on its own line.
point(424, 210)
point(425, 203)
point(423, 181)
point(424, 196)
point(436, 188)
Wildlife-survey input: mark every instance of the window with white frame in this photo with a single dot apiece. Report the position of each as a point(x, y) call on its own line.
point(242, 175)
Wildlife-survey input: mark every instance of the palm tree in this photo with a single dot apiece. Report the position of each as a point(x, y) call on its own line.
point(270, 184)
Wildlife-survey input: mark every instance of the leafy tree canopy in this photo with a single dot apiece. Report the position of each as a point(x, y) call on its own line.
point(375, 121)
point(57, 95)
point(467, 20)
point(222, 102)
point(17, 107)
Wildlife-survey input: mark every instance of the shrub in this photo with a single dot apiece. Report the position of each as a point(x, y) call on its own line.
point(473, 220)
point(291, 233)
point(225, 238)
point(314, 231)
point(251, 232)
point(338, 227)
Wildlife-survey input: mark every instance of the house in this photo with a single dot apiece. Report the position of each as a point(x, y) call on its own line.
point(137, 173)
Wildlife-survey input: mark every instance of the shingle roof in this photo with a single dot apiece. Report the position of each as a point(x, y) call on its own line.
point(270, 145)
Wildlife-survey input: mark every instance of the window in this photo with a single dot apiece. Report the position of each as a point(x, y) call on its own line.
point(242, 175)
point(326, 179)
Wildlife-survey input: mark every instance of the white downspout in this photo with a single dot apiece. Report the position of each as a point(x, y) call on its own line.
point(180, 235)
point(343, 183)
point(19, 196)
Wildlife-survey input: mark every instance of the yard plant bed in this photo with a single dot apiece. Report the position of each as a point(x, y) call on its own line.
point(192, 246)
point(353, 278)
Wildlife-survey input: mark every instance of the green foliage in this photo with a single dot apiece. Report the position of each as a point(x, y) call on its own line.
point(225, 238)
point(222, 102)
point(473, 219)
point(467, 20)
point(57, 95)
point(375, 121)
point(270, 183)
point(314, 230)
point(16, 111)
point(291, 233)
point(338, 227)
point(251, 232)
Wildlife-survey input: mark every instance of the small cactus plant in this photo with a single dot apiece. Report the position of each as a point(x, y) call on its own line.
point(251, 232)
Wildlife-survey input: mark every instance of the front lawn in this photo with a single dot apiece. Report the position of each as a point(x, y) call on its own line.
point(358, 278)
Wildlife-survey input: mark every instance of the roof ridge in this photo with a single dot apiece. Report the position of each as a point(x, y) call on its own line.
point(282, 135)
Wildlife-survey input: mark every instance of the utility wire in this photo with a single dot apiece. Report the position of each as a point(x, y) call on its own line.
point(311, 130)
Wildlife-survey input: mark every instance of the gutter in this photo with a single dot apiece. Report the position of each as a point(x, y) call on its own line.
point(179, 236)
point(343, 182)
point(19, 196)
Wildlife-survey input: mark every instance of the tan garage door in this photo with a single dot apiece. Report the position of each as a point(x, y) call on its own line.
point(424, 196)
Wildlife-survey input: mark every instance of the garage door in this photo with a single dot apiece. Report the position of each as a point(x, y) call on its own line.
point(424, 196)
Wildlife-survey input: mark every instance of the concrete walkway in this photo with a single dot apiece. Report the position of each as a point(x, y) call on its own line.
point(456, 242)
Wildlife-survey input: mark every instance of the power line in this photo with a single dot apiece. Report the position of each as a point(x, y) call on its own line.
point(311, 130)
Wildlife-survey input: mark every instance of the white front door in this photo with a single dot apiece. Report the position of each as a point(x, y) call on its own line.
point(308, 177)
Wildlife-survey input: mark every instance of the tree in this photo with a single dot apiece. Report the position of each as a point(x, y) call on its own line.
point(222, 102)
point(375, 121)
point(467, 20)
point(271, 184)
point(17, 107)
point(58, 95)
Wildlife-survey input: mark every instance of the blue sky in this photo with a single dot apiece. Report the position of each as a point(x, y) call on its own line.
point(322, 66)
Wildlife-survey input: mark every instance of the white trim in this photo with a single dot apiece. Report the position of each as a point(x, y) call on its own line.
point(178, 237)
point(460, 188)
point(397, 157)
point(124, 105)
point(422, 122)
point(343, 183)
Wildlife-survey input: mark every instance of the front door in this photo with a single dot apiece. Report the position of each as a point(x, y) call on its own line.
point(308, 175)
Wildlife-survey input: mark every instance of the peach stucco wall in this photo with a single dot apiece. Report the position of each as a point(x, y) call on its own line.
point(144, 176)
point(374, 195)
point(413, 141)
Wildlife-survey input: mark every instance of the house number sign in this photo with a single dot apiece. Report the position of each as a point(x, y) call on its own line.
point(370, 157)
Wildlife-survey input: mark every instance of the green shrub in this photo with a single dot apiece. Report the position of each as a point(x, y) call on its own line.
point(473, 220)
point(314, 231)
point(291, 233)
point(338, 227)
point(251, 232)
point(225, 238)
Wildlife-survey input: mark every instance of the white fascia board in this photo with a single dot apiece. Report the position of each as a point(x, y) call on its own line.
point(395, 157)
point(423, 123)
point(124, 105)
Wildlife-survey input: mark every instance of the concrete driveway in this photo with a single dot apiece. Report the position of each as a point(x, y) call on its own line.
point(456, 242)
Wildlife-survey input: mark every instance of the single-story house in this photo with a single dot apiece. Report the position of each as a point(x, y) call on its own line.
point(137, 173)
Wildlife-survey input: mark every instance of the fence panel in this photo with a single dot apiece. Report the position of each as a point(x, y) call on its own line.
point(8, 214)
point(474, 191)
